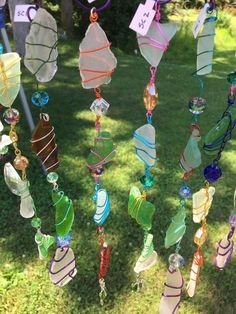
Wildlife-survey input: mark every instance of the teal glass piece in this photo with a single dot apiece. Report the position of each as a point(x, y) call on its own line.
point(64, 212)
point(40, 99)
point(147, 180)
point(191, 157)
point(177, 228)
point(52, 177)
point(36, 222)
point(44, 242)
point(231, 78)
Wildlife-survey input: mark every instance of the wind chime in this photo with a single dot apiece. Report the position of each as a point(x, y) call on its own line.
point(97, 64)
point(152, 46)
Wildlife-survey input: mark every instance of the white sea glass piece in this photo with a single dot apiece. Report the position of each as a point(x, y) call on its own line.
point(41, 47)
point(4, 141)
point(202, 203)
point(96, 62)
point(1, 126)
point(62, 268)
point(9, 78)
point(20, 188)
point(205, 48)
point(156, 41)
point(145, 144)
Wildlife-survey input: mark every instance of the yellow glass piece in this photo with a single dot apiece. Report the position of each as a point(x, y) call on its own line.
point(200, 236)
point(150, 96)
point(9, 78)
point(202, 201)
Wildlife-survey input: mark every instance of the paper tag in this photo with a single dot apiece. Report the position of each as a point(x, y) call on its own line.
point(143, 17)
point(21, 12)
point(200, 20)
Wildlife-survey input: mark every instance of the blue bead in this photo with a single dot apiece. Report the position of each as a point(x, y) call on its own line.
point(40, 99)
point(212, 173)
point(1, 49)
point(63, 241)
point(185, 192)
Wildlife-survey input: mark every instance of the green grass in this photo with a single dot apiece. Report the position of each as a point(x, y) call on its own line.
point(24, 284)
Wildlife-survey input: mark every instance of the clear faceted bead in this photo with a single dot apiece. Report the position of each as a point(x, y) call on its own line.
point(100, 106)
point(52, 177)
point(11, 116)
point(176, 260)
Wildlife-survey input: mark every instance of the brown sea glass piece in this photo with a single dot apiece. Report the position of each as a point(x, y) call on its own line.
point(44, 144)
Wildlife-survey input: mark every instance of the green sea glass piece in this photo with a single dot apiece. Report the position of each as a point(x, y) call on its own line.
point(231, 78)
point(216, 135)
point(177, 227)
point(140, 209)
point(44, 242)
point(191, 157)
point(64, 212)
point(103, 152)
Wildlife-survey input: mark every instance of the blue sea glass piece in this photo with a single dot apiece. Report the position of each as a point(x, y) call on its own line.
point(212, 173)
point(40, 99)
point(63, 241)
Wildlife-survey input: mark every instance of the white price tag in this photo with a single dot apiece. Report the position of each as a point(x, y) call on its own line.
point(200, 20)
point(21, 12)
point(143, 17)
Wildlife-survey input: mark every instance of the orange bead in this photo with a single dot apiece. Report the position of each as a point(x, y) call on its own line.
point(150, 96)
point(21, 163)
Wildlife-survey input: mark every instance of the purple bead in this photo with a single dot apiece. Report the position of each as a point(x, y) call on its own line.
point(99, 172)
point(212, 173)
point(63, 241)
point(232, 219)
point(185, 192)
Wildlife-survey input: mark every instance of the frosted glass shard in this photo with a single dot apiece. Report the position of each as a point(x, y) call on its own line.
point(205, 48)
point(62, 268)
point(41, 47)
point(171, 297)
point(9, 78)
point(194, 273)
point(1, 126)
point(202, 203)
point(156, 41)
point(20, 188)
point(96, 62)
point(224, 252)
point(4, 141)
point(191, 157)
point(145, 144)
point(176, 229)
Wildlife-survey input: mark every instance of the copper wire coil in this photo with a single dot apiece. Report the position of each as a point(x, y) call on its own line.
point(104, 261)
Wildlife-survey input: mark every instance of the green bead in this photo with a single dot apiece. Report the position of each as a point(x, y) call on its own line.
point(147, 181)
point(4, 150)
point(36, 222)
point(52, 177)
point(231, 78)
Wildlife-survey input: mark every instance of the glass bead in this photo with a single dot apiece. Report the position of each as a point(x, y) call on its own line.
point(100, 106)
point(11, 116)
point(197, 105)
point(63, 241)
point(147, 181)
point(21, 162)
point(36, 222)
point(185, 192)
point(1, 49)
point(212, 173)
point(232, 220)
point(200, 236)
point(99, 172)
point(176, 260)
point(231, 78)
point(40, 99)
point(150, 96)
point(4, 150)
point(52, 177)
point(231, 100)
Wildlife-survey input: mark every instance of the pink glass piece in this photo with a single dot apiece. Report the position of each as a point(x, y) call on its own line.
point(96, 62)
point(156, 41)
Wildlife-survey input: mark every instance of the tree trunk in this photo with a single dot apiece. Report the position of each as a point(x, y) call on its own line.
point(20, 30)
point(66, 15)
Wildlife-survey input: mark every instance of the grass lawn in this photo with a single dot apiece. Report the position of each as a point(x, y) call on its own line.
point(24, 284)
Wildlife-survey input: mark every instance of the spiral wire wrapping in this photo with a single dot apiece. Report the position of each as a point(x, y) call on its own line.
point(45, 146)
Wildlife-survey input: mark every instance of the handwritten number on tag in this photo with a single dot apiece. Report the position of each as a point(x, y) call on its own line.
point(21, 13)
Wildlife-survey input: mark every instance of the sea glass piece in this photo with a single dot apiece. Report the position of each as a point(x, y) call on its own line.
point(140, 209)
point(4, 141)
point(64, 212)
point(150, 96)
point(205, 47)
point(171, 297)
point(176, 229)
point(100, 107)
point(197, 105)
point(212, 173)
point(103, 207)
point(62, 268)
point(41, 47)
point(103, 152)
point(20, 188)
point(156, 41)
point(1, 126)
point(145, 144)
point(195, 271)
point(44, 143)
point(224, 252)
point(191, 157)
point(202, 201)
point(220, 132)
point(96, 62)
point(9, 78)
point(200, 236)
point(148, 256)
point(44, 242)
